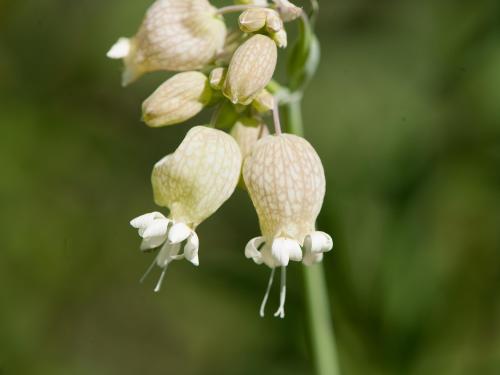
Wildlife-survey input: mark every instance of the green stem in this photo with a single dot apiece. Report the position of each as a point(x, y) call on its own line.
point(316, 293)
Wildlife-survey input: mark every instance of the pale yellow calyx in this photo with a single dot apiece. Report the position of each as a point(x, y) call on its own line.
point(286, 182)
point(199, 176)
point(250, 70)
point(216, 78)
point(176, 35)
point(178, 99)
point(264, 101)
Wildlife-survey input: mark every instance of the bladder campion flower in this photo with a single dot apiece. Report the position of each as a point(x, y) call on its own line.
point(178, 99)
point(176, 35)
point(250, 69)
point(286, 182)
point(192, 183)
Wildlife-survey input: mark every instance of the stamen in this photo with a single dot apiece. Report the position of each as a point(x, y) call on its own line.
point(281, 310)
point(148, 271)
point(160, 281)
point(264, 301)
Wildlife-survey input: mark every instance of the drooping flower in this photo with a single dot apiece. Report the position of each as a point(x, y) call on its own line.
point(250, 70)
point(175, 35)
point(192, 183)
point(178, 99)
point(286, 182)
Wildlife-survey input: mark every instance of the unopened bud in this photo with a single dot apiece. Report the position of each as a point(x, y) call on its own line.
point(274, 23)
point(252, 20)
point(177, 100)
point(280, 38)
point(287, 10)
point(250, 69)
point(264, 101)
point(216, 78)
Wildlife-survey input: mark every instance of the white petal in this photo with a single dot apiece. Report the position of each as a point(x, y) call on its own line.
point(318, 242)
point(284, 249)
point(152, 242)
point(252, 249)
point(120, 49)
point(144, 220)
point(167, 252)
point(157, 228)
point(191, 249)
point(179, 232)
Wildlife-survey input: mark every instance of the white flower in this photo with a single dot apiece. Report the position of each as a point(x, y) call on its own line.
point(193, 183)
point(285, 179)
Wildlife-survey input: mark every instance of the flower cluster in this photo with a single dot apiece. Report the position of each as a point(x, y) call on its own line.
point(232, 72)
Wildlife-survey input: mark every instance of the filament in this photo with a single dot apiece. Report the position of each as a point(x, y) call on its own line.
point(160, 281)
point(266, 296)
point(281, 310)
point(148, 271)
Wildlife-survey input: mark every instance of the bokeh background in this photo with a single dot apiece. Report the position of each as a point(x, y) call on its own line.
point(405, 113)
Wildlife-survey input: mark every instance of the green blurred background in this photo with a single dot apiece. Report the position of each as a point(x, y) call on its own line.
point(405, 113)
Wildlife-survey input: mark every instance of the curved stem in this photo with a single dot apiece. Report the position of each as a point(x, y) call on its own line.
point(316, 294)
point(276, 118)
point(237, 8)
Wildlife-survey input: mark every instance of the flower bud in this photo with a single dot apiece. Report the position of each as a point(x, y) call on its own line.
point(264, 101)
point(287, 10)
point(273, 21)
point(251, 68)
point(193, 183)
point(178, 99)
point(216, 78)
point(252, 20)
point(280, 38)
point(176, 35)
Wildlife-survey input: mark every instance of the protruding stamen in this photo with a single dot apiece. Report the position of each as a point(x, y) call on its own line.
point(148, 271)
point(281, 310)
point(266, 296)
point(160, 281)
